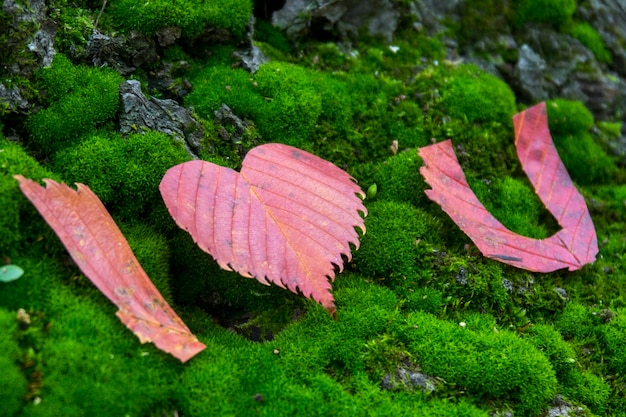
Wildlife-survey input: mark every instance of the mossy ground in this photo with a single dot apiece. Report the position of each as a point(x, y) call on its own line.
point(417, 294)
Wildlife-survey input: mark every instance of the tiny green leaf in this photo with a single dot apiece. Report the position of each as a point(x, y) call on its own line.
point(10, 273)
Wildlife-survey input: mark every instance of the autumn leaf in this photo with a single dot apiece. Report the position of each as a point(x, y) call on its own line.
point(286, 218)
point(572, 247)
point(101, 252)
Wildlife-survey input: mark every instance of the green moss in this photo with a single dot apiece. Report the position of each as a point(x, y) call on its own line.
point(589, 389)
point(95, 365)
point(589, 37)
point(345, 118)
point(576, 322)
point(487, 365)
point(13, 385)
point(425, 299)
point(123, 172)
point(191, 17)
point(74, 27)
point(476, 284)
point(391, 245)
point(79, 100)
point(476, 96)
point(613, 337)
point(554, 12)
point(561, 355)
point(294, 104)
point(585, 160)
point(152, 252)
point(265, 32)
point(515, 204)
point(397, 178)
point(576, 385)
point(568, 117)
point(18, 218)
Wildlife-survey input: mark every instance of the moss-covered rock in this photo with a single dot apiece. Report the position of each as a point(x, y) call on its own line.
point(478, 97)
point(489, 365)
point(123, 172)
point(193, 18)
point(556, 12)
point(392, 244)
point(78, 99)
point(590, 37)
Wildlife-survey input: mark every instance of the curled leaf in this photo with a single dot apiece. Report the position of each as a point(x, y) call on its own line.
point(572, 247)
point(101, 252)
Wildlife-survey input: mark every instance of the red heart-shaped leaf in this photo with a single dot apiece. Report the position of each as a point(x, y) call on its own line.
point(286, 218)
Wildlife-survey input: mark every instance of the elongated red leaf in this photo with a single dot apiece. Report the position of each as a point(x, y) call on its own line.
point(99, 249)
point(286, 218)
point(572, 247)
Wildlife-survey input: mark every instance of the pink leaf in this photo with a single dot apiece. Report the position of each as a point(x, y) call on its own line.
point(99, 249)
point(286, 219)
point(572, 247)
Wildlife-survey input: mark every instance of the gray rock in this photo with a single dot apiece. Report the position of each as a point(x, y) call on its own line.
point(560, 291)
point(251, 57)
point(431, 15)
point(29, 29)
point(168, 80)
point(562, 408)
point(122, 53)
point(140, 113)
point(224, 116)
point(409, 379)
point(529, 74)
point(461, 276)
point(11, 100)
point(42, 43)
point(608, 17)
point(299, 17)
point(168, 36)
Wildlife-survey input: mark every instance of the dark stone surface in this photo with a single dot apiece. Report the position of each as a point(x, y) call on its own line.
point(30, 37)
point(123, 53)
point(302, 17)
point(139, 112)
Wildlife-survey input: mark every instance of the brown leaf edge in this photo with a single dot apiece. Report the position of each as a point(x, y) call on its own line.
point(100, 250)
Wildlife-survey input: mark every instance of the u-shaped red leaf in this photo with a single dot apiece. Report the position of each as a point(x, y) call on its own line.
point(572, 247)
